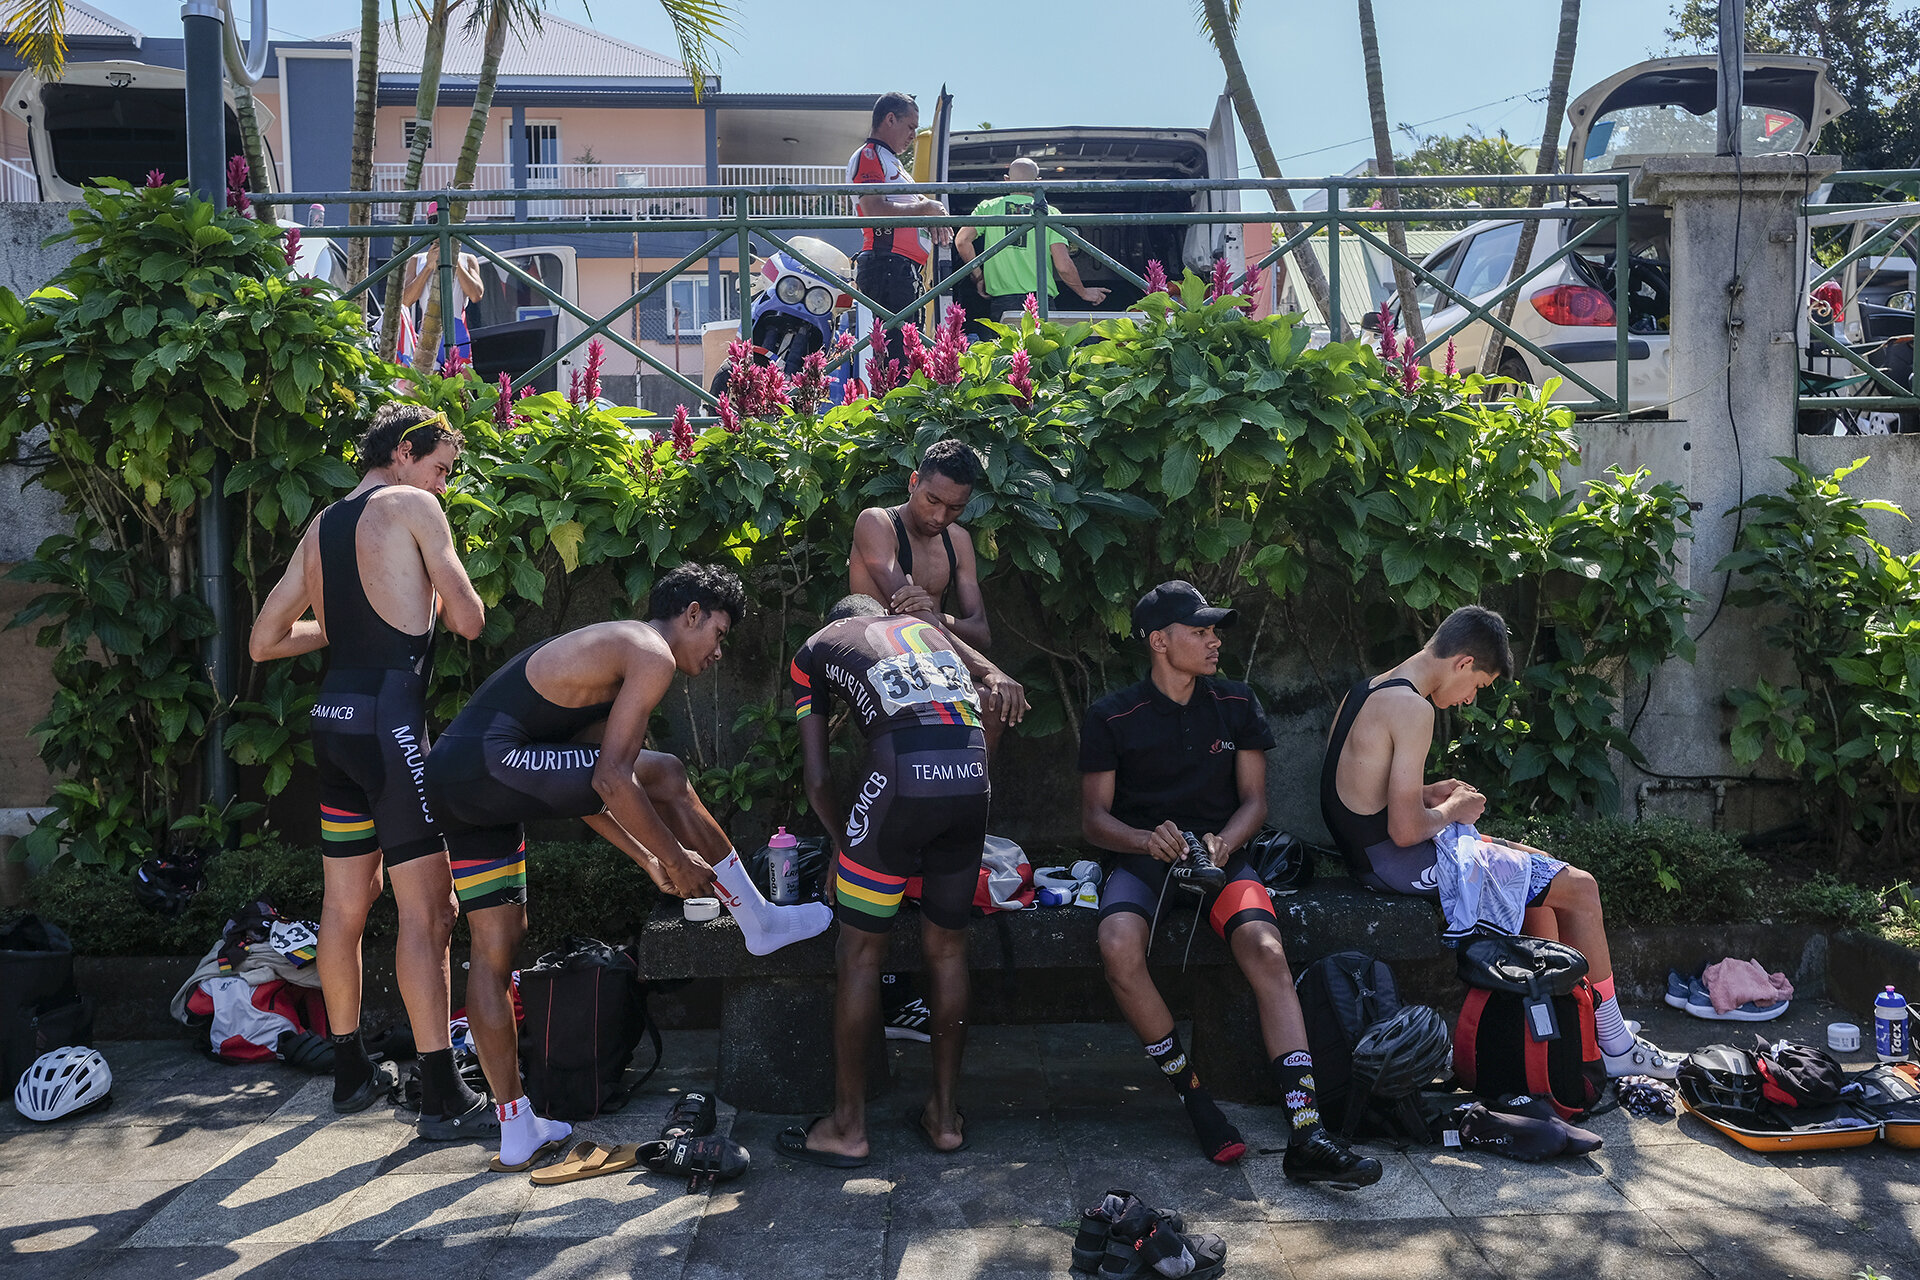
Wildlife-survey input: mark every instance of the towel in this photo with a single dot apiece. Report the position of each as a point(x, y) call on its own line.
point(1486, 886)
point(1732, 983)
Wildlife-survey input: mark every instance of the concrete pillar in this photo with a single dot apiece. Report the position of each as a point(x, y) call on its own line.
point(1739, 272)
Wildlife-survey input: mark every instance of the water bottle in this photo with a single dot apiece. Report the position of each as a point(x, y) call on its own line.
point(783, 869)
point(1890, 1026)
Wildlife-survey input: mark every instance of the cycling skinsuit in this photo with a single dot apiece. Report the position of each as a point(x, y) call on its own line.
point(1177, 762)
point(921, 806)
point(369, 722)
point(507, 759)
point(1372, 857)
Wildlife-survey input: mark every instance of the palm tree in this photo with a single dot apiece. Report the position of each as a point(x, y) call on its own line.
point(37, 31)
point(434, 50)
point(366, 86)
point(1383, 164)
point(698, 26)
point(1218, 19)
point(1549, 163)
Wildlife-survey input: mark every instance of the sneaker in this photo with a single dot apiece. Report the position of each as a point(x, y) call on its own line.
point(1096, 1225)
point(1700, 1005)
point(1321, 1157)
point(1643, 1059)
point(909, 1022)
point(1678, 990)
point(1145, 1245)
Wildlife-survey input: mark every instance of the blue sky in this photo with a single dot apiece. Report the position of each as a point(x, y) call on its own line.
point(1132, 62)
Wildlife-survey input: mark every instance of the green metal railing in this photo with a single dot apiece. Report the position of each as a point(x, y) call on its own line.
point(1897, 230)
point(742, 227)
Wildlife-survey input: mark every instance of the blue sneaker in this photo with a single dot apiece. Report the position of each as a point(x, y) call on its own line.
point(1677, 989)
point(1700, 1005)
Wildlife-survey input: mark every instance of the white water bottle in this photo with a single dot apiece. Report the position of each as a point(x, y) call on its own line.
point(1890, 1026)
point(783, 869)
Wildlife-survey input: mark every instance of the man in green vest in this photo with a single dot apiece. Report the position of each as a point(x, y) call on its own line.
point(1009, 276)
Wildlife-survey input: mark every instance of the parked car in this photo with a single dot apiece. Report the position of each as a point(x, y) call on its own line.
point(1662, 107)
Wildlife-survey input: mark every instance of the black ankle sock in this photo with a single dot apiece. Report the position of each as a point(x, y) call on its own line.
point(1294, 1071)
point(1215, 1131)
point(442, 1091)
point(351, 1066)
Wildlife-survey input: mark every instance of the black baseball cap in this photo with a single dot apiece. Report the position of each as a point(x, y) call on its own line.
point(1177, 601)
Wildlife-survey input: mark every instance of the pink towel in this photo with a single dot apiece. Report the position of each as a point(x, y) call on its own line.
point(1732, 983)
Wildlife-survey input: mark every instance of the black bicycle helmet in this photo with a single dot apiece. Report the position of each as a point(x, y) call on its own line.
point(167, 884)
point(1281, 860)
point(1400, 1055)
point(1720, 1078)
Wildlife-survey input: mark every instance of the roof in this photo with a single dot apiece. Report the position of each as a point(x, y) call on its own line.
point(85, 20)
point(558, 50)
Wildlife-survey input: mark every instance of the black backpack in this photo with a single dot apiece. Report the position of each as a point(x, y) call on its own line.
point(586, 1011)
point(1341, 995)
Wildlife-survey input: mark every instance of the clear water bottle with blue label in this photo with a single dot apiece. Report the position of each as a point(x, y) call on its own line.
point(1890, 1026)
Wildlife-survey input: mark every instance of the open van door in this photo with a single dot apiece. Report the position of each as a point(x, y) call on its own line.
point(1668, 106)
point(515, 327)
point(1205, 242)
point(930, 155)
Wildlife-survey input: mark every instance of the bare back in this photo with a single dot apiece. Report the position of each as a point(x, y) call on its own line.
point(387, 553)
point(1391, 721)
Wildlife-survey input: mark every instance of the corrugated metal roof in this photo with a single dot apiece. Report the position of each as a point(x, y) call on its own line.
point(1366, 275)
point(85, 20)
point(558, 49)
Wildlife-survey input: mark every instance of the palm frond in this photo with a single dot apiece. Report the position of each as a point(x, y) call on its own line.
point(701, 28)
point(37, 29)
point(523, 17)
point(1201, 20)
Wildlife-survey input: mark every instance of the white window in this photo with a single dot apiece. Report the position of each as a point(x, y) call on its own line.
point(407, 131)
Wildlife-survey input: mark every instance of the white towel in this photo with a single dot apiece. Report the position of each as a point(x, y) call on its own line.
point(1482, 885)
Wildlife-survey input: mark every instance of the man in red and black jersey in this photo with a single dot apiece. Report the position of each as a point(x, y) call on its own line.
point(888, 268)
point(918, 695)
point(1180, 756)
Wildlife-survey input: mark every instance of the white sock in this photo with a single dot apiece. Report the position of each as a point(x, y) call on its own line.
point(522, 1133)
point(1610, 1027)
point(766, 927)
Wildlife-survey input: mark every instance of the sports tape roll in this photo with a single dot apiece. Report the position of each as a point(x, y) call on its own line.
point(1843, 1037)
point(701, 909)
point(1086, 871)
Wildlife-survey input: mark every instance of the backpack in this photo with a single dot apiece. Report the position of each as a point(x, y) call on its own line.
point(1495, 1049)
point(40, 1009)
point(1341, 995)
point(586, 1010)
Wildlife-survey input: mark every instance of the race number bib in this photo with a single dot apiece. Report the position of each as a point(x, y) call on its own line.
point(915, 679)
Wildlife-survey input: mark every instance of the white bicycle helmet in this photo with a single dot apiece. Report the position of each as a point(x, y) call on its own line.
point(63, 1083)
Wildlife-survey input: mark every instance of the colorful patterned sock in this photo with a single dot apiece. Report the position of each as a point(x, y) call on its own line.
point(1218, 1138)
point(1294, 1071)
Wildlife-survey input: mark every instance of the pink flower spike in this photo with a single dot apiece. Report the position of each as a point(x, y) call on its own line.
point(916, 351)
point(845, 342)
point(1019, 373)
point(573, 387)
point(503, 407)
point(1409, 374)
point(1386, 319)
point(237, 174)
point(290, 244)
point(851, 390)
point(525, 391)
point(1221, 283)
point(1453, 359)
point(729, 417)
point(596, 359)
point(1033, 308)
point(811, 386)
point(682, 434)
point(155, 178)
point(1156, 276)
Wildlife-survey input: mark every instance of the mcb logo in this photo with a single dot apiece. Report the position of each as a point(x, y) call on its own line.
point(870, 791)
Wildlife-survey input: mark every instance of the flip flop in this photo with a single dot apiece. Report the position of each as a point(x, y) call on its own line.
point(912, 1118)
point(792, 1141)
point(588, 1160)
point(540, 1153)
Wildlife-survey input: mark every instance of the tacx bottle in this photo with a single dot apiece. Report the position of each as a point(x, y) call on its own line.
point(1890, 1026)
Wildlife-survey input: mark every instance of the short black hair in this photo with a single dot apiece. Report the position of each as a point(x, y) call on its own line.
point(377, 444)
point(703, 584)
point(894, 104)
point(953, 460)
point(1479, 633)
point(855, 606)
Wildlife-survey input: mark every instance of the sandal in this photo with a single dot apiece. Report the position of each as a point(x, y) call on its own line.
point(692, 1117)
point(792, 1141)
point(705, 1160)
point(540, 1153)
point(588, 1160)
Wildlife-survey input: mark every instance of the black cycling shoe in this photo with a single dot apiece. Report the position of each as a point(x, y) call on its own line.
point(385, 1078)
point(1321, 1157)
point(478, 1121)
point(1196, 871)
point(1144, 1244)
point(693, 1116)
point(1096, 1224)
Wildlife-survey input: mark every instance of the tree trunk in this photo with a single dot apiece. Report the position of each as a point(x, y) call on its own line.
point(424, 103)
point(1410, 318)
point(499, 22)
point(1220, 29)
point(1549, 163)
point(259, 176)
point(366, 87)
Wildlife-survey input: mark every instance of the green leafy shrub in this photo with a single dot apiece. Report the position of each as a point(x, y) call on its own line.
point(1827, 899)
point(1655, 871)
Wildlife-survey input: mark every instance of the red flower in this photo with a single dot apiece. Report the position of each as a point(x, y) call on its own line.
point(851, 390)
point(729, 419)
point(1453, 359)
point(811, 386)
point(155, 178)
point(503, 407)
point(1220, 284)
point(1409, 368)
point(596, 358)
point(237, 174)
point(573, 387)
point(882, 374)
point(290, 244)
point(944, 367)
point(682, 434)
point(1386, 331)
point(1249, 287)
point(1156, 276)
point(916, 351)
point(1020, 375)
point(1033, 308)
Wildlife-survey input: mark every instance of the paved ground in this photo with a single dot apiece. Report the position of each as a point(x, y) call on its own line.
point(202, 1170)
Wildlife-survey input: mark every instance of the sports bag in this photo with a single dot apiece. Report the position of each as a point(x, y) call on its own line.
point(1497, 1049)
point(1341, 996)
point(1534, 968)
point(586, 1011)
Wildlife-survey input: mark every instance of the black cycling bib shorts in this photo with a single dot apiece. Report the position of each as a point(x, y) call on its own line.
point(920, 810)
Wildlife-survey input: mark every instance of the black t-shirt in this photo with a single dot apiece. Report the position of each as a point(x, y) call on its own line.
point(893, 671)
point(1172, 762)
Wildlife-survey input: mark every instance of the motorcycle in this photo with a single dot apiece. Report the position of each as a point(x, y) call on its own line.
point(796, 310)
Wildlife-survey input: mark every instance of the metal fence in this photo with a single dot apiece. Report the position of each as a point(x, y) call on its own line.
point(622, 191)
point(729, 218)
point(1849, 378)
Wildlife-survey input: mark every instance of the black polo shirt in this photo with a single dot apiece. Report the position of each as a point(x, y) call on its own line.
point(1172, 762)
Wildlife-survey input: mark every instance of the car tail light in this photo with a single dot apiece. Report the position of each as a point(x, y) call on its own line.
point(1574, 305)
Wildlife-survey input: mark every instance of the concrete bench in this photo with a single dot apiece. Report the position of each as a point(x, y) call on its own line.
point(776, 1016)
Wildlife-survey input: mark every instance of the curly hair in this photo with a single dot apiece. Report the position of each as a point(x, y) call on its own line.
point(703, 584)
point(423, 430)
point(951, 459)
point(855, 606)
